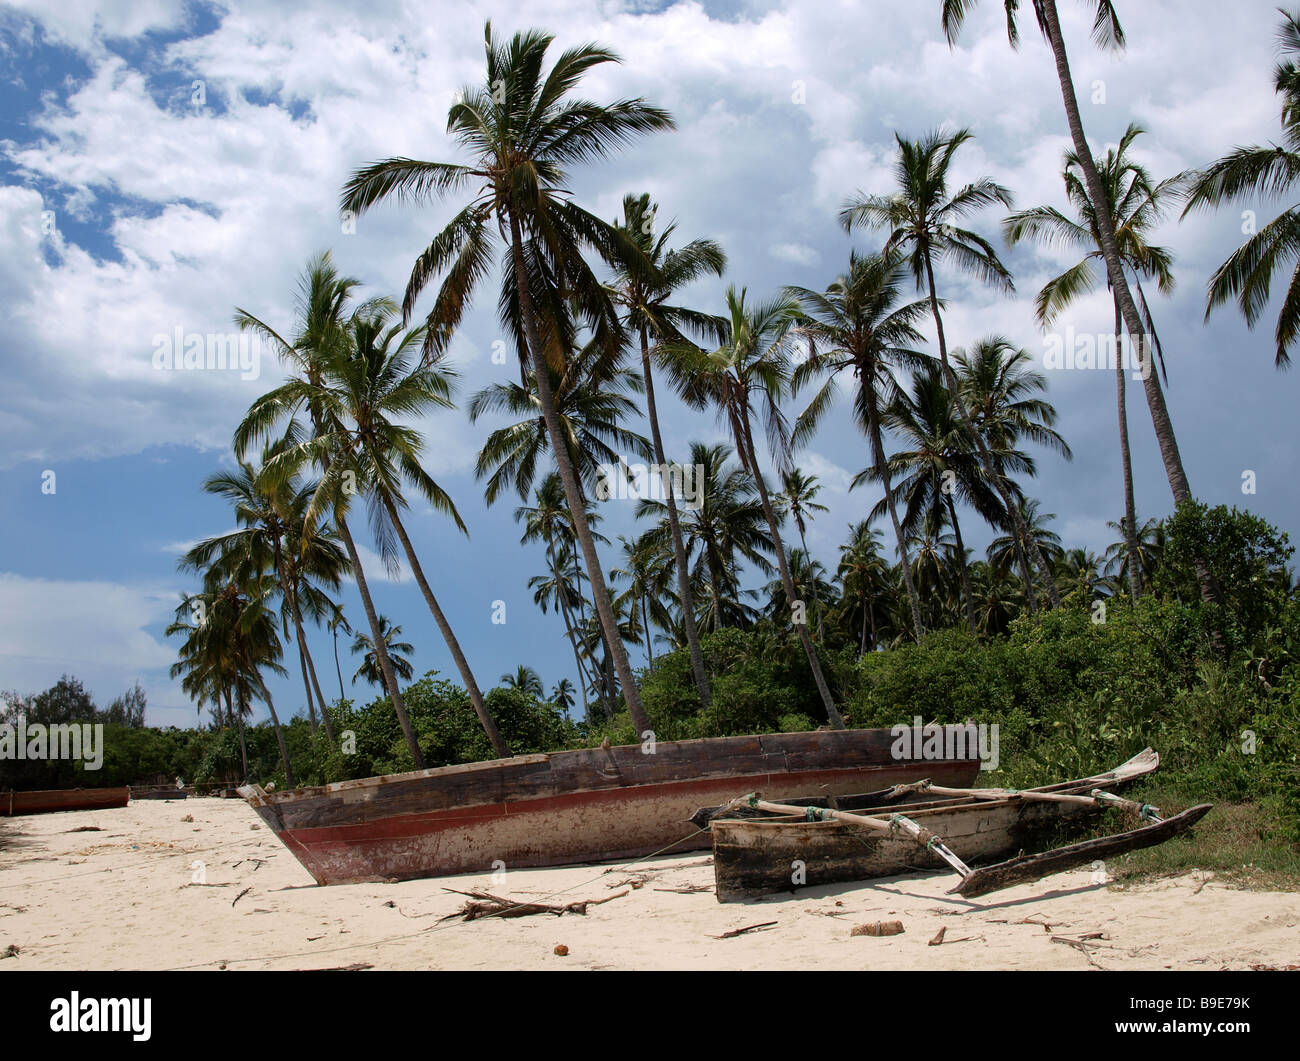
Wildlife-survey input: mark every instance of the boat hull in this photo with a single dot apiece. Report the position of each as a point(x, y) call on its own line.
point(763, 856)
point(567, 807)
point(50, 800)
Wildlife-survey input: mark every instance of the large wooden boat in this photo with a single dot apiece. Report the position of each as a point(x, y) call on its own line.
point(56, 799)
point(760, 853)
point(583, 805)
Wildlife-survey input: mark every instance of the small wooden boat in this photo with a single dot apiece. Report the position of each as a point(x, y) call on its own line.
point(56, 799)
point(817, 841)
point(583, 805)
point(159, 792)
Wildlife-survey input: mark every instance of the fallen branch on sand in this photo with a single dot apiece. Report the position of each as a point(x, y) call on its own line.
point(485, 904)
point(688, 889)
point(240, 896)
point(748, 928)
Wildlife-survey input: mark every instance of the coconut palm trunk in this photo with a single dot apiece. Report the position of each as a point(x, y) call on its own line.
point(961, 566)
point(567, 616)
point(1164, 428)
point(675, 529)
point(304, 654)
point(448, 635)
point(1130, 508)
point(275, 721)
point(381, 651)
point(882, 466)
point(832, 712)
point(986, 458)
point(239, 726)
point(546, 396)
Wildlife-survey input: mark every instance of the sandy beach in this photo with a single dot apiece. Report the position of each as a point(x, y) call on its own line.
point(131, 895)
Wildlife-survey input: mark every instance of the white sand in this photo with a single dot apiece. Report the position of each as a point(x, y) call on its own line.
point(123, 898)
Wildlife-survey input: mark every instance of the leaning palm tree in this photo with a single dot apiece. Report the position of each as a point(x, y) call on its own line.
point(1262, 173)
point(752, 368)
point(858, 324)
point(643, 295)
point(922, 218)
point(521, 129)
point(1109, 34)
point(365, 387)
point(1135, 202)
point(326, 303)
point(396, 650)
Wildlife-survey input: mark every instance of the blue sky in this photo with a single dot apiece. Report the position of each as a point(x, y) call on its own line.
point(134, 201)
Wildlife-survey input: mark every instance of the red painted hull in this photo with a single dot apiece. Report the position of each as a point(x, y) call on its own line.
point(46, 801)
point(568, 807)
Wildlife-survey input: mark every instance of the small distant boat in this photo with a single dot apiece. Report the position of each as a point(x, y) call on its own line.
point(582, 805)
point(761, 848)
point(159, 792)
point(57, 799)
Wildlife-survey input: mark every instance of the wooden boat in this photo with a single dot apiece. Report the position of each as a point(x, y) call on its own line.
point(759, 853)
point(159, 792)
point(572, 806)
point(56, 799)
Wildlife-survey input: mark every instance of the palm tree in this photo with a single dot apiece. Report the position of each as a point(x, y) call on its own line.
point(1109, 34)
point(1262, 173)
point(364, 386)
point(797, 500)
point(338, 622)
point(1004, 550)
point(526, 680)
point(647, 587)
point(396, 651)
point(1135, 203)
point(548, 520)
point(643, 295)
point(1119, 556)
point(1000, 392)
point(726, 526)
point(921, 217)
point(862, 575)
point(935, 468)
point(591, 401)
point(235, 630)
point(271, 516)
point(522, 130)
point(562, 695)
point(752, 366)
point(858, 324)
point(325, 306)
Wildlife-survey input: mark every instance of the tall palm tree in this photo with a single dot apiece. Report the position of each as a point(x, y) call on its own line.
point(1002, 395)
point(752, 368)
point(326, 303)
point(522, 129)
point(726, 526)
point(935, 467)
point(1262, 173)
point(338, 621)
point(1108, 34)
point(1135, 202)
point(1119, 557)
point(858, 324)
point(396, 650)
point(365, 386)
point(647, 587)
point(922, 218)
point(1003, 551)
point(643, 295)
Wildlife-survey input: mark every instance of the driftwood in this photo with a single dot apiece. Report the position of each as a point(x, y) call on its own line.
point(485, 904)
point(240, 895)
point(748, 928)
point(688, 889)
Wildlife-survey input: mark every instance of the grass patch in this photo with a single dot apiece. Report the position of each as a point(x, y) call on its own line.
point(1241, 844)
